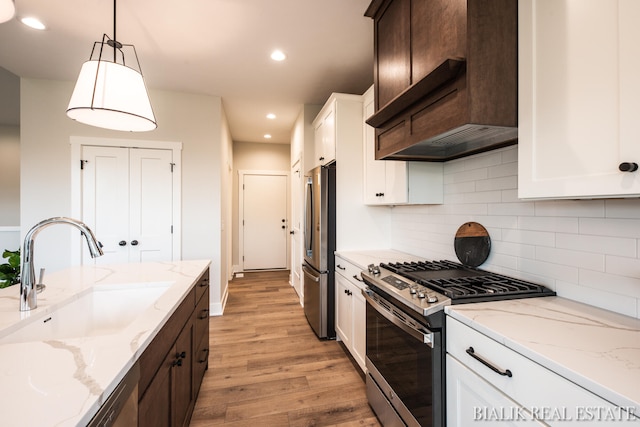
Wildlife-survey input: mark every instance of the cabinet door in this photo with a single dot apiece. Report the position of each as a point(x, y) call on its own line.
point(325, 137)
point(182, 376)
point(343, 310)
point(374, 170)
point(471, 400)
point(154, 408)
point(359, 341)
point(578, 98)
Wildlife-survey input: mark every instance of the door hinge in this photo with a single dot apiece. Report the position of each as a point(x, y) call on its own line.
point(82, 162)
point(172, 229)
point(172, 165)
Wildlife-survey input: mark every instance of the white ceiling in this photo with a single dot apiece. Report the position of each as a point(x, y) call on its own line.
point(212, 47)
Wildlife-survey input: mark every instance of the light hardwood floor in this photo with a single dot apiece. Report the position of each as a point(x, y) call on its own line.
point(267, 367)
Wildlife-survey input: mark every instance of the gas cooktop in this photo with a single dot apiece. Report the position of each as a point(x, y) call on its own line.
point(426, 286)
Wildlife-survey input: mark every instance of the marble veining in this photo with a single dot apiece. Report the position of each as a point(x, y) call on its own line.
point(594, 348)
point(63, 382)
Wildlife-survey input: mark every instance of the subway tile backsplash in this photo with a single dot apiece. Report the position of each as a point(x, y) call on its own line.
point(586, 250)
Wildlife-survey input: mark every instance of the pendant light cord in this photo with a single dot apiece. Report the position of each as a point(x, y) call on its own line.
point(115, 40)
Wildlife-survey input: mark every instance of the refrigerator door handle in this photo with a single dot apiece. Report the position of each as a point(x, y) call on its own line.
point(309, 274)
point(308, 215)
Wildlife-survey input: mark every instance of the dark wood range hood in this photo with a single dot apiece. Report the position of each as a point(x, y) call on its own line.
point(445, 77)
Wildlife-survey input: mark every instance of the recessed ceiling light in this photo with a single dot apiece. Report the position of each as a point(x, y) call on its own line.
point(278, 55)
point(267, 136)
point(34, 23)
point(271, 116)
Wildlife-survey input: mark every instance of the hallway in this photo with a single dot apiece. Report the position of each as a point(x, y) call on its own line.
point(267, 368)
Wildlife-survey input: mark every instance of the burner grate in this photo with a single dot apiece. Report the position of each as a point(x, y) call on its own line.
point(460, 282)
point(492, 284)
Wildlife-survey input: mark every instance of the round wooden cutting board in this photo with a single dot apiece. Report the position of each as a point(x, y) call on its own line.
point(472, 244)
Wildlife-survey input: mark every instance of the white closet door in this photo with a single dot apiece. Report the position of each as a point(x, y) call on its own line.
point(105, 200)
point(151, 205)
point(127, 200)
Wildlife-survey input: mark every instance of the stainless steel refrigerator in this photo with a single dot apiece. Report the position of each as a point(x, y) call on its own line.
point(320, 245)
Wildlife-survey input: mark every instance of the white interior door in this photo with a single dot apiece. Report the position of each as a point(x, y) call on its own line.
point(297, 195)
point(150, 195)
point(127, 200)
point(264, 221)
point(105, 200)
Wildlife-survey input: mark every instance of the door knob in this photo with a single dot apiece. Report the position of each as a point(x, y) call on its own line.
point(134, 243)
point(122, 243)
point(283, 220)
point(284, 226)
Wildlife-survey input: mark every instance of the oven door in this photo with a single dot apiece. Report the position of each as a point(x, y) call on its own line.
point(404, 362)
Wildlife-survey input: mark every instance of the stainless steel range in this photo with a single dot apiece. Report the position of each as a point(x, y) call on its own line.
point(406, 332)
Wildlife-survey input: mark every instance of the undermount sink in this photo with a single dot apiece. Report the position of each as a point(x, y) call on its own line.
point(101, 310)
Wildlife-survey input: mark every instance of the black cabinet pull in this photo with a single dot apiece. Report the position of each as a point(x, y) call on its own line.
point(505, 373)
point(341, 267)
point(628, 167)
point(206, 356)
point(177, 362)
point(357, 278)
point(204, 314)
point(134, 243)
point(122, 243)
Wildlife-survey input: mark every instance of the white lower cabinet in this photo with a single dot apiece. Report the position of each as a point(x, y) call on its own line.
point(350, 310)
point(470, 400)
point(487, 381)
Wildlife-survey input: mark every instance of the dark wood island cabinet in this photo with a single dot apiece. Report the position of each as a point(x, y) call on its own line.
point(173, 365)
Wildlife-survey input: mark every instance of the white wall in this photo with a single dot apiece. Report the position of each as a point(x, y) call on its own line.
point(195, 120)
point(586, 250)
point(9, 175)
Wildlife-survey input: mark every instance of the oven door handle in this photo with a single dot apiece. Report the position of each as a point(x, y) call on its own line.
point(420, 335)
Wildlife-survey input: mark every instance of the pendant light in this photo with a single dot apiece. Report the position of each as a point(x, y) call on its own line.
point(7, 10)
point(109, 92)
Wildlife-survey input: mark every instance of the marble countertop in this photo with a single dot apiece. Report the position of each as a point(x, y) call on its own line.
point(594, 348)
point(64, 382)
point(375, 256)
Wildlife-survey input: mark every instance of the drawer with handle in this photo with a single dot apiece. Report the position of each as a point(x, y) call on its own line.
point(349, 270)
point(549, 396)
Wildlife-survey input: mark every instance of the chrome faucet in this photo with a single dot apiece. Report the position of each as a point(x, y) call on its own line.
point(28, 288)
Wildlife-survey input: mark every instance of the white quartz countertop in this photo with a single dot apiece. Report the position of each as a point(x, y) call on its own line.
point(375, 256)
point(63, 382)
point(596, 349)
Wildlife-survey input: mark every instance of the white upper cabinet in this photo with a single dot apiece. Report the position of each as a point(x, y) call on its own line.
point(325, 135)
point(393, 182)
point(334, 125)
point(579, 98)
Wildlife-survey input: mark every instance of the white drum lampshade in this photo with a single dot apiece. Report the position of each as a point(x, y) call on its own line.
point(112, 96)
point(7, 10)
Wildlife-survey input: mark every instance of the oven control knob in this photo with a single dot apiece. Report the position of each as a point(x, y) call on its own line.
point(412, 291)
point(421, 295)
point(432, 298)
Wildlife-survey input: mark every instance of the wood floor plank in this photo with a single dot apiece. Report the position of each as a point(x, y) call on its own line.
point(267, 367)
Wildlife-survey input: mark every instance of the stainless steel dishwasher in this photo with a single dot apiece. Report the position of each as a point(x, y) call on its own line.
point(121, 408)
